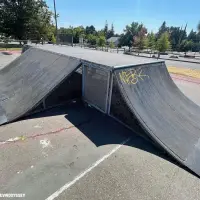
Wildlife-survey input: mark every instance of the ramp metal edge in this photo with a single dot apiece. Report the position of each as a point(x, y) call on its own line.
point(115, 68)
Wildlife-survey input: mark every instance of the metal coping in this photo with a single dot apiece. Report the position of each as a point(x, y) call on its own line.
point(115, 68)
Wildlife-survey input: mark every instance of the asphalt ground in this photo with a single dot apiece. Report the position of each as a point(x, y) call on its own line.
point(6, 59)
point(75, 152)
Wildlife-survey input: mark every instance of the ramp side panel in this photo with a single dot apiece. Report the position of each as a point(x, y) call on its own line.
point(161, 108)
point(121, 111)
point(27, 81)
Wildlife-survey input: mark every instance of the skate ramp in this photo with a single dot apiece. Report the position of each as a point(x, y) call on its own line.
point(142, 95)
point(156, 105)
point(26, 81)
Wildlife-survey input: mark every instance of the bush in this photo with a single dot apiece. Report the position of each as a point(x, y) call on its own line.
point(53, 39)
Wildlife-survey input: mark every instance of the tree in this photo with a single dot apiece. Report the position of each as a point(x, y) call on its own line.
point(176, 36)
point(53, 39)
point(90, 30)
point(111, 32)
point(140, 39)
point(51, 31)
point(101, 41)
point(112, 29)
point(162, 29)
point(77, 32)
point(186, 46)
point(127, 39)
point(151, 41)
point(106, 29)
point(101, 33)
point(25, 19)
point(163, 43)
point(192, 36)
point(92, 39)
point(111, 45)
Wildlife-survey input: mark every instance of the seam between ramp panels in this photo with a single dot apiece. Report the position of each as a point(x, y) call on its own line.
point(144, 125)
point(54, 86)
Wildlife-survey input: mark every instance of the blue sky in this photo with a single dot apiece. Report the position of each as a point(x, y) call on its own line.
point(122, 12)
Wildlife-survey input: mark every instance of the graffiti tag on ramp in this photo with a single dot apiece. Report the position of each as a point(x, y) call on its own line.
point(132, 76)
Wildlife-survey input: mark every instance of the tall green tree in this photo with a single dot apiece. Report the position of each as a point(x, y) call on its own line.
point(78, 32)
point(193, 36)
point(151, 41)
point(101, 41)
point(101, 33)
point(25, 19)
point(176, 36)
point(186, 46)
point(127, 38)
point(162, 29)
point(140, 39)
point(106, 29)
point(111, 45)
point(90, 30)
point(92, 39)
point(111, 32)
point(163, 43)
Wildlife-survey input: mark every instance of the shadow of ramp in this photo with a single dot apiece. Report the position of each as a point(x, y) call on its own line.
point(103, 130)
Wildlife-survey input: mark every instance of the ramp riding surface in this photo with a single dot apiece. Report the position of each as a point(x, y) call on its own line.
point(165, 114)
point(27, 80)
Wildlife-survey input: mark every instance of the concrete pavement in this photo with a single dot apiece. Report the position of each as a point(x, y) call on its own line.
point(49, 157)
point(5, 59)
point(47, 151)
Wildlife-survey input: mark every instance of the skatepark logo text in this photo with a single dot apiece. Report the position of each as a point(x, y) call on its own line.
point(11, 195)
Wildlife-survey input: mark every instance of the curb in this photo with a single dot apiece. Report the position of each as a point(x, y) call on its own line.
point(195, 62)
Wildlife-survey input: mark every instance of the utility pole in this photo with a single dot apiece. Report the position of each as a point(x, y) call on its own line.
point(55, 15)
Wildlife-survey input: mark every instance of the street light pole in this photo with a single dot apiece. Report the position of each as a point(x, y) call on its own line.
point(55, 15)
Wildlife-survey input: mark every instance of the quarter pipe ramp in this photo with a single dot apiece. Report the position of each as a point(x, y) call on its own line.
point(162, 111)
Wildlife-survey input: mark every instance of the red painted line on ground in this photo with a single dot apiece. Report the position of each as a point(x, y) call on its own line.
point(2, 143)
point(185, 78)
point(11, 52)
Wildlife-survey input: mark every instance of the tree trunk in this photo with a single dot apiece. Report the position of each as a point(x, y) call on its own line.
point(158, 55)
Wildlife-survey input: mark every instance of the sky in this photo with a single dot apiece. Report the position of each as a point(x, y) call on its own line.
point(151, 13)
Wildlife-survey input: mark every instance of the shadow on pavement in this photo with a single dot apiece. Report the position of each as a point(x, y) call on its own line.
point(103, 130)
